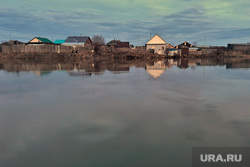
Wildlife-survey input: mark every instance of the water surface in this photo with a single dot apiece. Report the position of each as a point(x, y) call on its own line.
point(126, 114)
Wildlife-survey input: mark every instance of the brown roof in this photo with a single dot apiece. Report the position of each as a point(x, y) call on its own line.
point(122, 44)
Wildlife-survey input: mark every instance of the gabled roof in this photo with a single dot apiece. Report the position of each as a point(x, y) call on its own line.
point(113, 42)
point(156, 40)
point(77, 39)
point(41, 40)
point(184, 44)
point(169, 46)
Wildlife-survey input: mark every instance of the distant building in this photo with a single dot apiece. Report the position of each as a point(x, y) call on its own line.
point(59, 41)
point(169, 46)
point(239, 46)
point(183, 45)
point(12, 42)
point(77, 40)
point(156, 45)
point(113, 42)
point(122, 45)
point(140, 48)
point(40, 40)
point(169, 49)
point(118, 44)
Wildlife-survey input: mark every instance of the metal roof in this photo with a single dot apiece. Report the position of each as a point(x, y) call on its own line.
point(77, 39)
point(44, 40)
point(59, 41)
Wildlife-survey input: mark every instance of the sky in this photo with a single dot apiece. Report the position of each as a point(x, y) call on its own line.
point(213, 21)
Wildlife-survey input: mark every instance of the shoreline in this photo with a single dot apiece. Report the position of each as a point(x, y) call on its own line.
point(26, 51)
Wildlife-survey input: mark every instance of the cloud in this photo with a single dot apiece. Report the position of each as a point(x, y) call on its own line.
point(190, 24)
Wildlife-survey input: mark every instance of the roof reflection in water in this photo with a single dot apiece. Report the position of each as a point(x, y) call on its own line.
point(157, 69)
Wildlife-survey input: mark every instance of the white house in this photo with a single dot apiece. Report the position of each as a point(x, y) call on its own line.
point(157, 44)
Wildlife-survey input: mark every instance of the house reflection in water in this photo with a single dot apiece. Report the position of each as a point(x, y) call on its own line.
point(183, 63)
point(77, 72)
point(157, 69)
point(42, 73)
point(1, 66)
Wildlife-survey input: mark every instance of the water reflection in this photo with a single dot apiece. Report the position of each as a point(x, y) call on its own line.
point(157, 69)
point(42, 73)
point(119, 117)
point(87, 68)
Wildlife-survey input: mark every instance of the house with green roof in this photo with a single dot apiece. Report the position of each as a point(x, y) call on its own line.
point(39, 40)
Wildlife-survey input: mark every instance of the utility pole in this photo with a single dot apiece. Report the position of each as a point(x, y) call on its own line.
point(138, 40)
point(205, 41)
point(9, 36)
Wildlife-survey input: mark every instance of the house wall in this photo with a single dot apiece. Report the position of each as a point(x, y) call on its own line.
point(73, 44)
point(35, 40)
point(88, 41)
point(160, 49)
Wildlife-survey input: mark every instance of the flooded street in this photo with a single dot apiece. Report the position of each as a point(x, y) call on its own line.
point(126, 114)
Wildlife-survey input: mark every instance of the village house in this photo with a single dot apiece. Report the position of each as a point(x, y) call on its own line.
point(12, 42)
point(183, 45)
point(169, 46)
point(77, 41)
point(40, 40)
point(156, 45)
point(118, 44)
point(170, 51)
point(122, 45)
point(113, 42)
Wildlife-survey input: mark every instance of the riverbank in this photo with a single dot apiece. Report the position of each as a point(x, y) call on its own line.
point(58, 52)
point(25, 51)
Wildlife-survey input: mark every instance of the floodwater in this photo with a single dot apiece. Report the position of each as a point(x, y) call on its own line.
point(120, 114)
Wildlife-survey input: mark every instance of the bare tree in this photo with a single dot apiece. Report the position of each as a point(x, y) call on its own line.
point(195, 43)
point(98, 40)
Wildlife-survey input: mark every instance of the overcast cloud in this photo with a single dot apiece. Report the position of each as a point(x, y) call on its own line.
point(176, 21)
